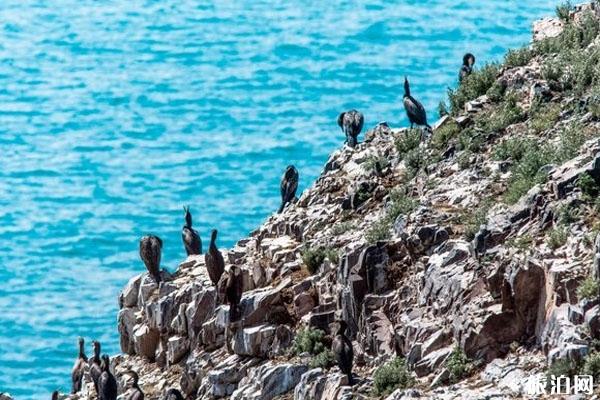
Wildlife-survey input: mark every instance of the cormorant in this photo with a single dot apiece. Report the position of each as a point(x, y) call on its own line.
point(233, 292)
point(55, 395)
point(191, 238)
point(107, 384)
point(136, 393)
point(173, 394)
point(342, 349)
point(414, 109)
point(150, 249)
point(78, 368)
point(289, 185)
point(213, 259)
point(351, 123)
point(95, 364)
point(467, 66)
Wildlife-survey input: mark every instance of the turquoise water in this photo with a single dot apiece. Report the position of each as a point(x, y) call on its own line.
point(113, 115)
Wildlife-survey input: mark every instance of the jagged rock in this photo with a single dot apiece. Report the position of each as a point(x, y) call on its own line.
point(199, 310)
point(547, 28)
point(126, 324)
point(129, 295)
point(145, 341)
point(592, 319)
point(316, 385)
point(268, 381)
point(432, 361)
point(255, 341)
point(177, 348)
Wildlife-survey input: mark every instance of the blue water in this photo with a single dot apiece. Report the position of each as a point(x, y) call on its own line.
point(115, 114)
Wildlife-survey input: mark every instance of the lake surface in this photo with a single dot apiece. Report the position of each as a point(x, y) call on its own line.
point(115, 114)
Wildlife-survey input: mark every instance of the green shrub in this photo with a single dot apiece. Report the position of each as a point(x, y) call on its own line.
point(399, 203)
point(464, 159)
point(557, 238)
point(518, 58)
point(314, 257)
point(567, 214)
point(473, 219)
point(526, 172)
point(588, 289)
point(543, 116)
point(471, 140)
point(563, 11)
point(561, 367)
point(507, 114)
point(312, 341)
point(522, 243)
point(391, 376)
point(496, 92)
point(373, 163)
point(458, 365)
point(473, 86)
point(593, 103)
point(442, 109)
point(407, 141)
point(591, 365)
point(324, 359)
point(571, 139)
point(513, 149)
point(444, 134)
point(378, 231)
point(342, 227)
point(415, 160)
point(588, 186)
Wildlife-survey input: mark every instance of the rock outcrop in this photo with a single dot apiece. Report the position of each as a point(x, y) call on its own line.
point(419, 249)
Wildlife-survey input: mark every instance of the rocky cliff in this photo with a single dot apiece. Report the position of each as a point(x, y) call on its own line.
point(464, 261)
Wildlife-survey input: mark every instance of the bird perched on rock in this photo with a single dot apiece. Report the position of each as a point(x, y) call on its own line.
point(107, 384)
point(136, 392)
point(351, 123)
point(414, 109)
point(342, 349)
point(173, 394)
point(95, 364)
point(79, 368)
point(289, 185)
point(191, 238)
point(467, 66)
point(215, 265)
point(233, 292)
point(150, 253)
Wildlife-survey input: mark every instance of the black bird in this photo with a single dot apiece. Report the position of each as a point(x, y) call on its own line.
point(289, 185)
point(173, 394)
point(136, 393)
point(342, 349)
point(414, 109)
point(351, 123)
point(107, 384)
point(233, 292)
point(95, 364)
point(78, 368)
point(55, 395)
point(215, 265)
point(467, 66)
point(150, 252)
point(191, 238)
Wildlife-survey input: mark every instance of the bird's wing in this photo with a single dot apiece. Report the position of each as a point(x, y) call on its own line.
point(359, 120)
point(340, 119)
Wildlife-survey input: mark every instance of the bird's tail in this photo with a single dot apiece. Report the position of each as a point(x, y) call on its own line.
point(351, 141)
point(157, 277)
point(281, 207)
point(350, 379)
